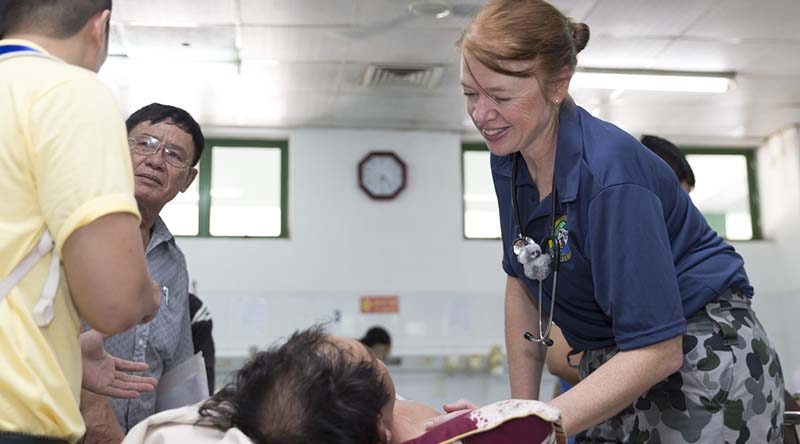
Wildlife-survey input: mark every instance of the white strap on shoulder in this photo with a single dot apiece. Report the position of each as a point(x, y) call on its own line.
point(43, 311)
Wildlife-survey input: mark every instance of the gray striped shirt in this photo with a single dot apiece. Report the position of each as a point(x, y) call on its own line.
point(164, 342)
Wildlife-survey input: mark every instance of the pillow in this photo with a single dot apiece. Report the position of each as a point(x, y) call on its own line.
point(513, 421)
point(184, 425)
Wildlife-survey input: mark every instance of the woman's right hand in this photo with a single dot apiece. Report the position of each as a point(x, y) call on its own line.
point(452, 410)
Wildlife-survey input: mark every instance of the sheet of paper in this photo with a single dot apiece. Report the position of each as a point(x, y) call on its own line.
point(184, 385)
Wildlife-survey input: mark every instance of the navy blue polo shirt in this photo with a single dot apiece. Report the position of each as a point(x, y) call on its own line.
point(639, 257)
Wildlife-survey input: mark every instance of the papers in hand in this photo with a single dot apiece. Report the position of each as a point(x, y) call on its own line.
point(184, 385)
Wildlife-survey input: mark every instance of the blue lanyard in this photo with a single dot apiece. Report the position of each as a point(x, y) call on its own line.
point(8, 49)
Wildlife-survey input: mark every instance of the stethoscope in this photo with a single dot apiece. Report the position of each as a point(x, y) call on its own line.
point(538, 260)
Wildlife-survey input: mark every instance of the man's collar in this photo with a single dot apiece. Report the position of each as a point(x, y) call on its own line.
point(159, 234)
point(27, 43)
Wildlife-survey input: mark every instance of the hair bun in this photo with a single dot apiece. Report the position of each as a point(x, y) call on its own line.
point(580, 35)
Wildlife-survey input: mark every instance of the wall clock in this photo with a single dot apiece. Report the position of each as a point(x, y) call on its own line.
point(382, 175)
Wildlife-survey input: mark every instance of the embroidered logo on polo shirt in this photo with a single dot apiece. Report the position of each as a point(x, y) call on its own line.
point(562, 234)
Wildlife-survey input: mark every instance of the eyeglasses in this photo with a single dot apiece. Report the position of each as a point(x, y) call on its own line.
point(148, 145)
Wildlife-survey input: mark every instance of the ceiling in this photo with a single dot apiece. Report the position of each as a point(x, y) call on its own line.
point(300, 63)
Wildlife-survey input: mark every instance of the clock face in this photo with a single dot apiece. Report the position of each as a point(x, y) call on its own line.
point(382, 175)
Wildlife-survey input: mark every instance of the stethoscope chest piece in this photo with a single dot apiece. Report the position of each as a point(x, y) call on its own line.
point(521, 243)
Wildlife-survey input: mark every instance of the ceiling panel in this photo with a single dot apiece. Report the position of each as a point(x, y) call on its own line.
point(672, 118)
point(407, 46)
point(174, 12)
point(383, 14)
point(778, 91)
point(293, 77)
point(449, 85)
point(577, 10)
point(748, 19)
point(209, 43)
point(775, 58)
point(403, 110)
point(302, 62)
point(771, 119)
point(294, 12)
point(658, 18)
point(613, 52)
point(293, 44)
point(701, 54)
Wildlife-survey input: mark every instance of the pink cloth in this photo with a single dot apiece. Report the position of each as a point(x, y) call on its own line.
point(513, 421)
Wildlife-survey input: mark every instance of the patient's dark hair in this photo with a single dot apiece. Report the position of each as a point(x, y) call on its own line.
point(672, 155)
point(156, 112)
point(308, 390)
point(52, 18)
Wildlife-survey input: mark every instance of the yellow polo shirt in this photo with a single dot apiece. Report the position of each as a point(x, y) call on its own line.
point(64, 162)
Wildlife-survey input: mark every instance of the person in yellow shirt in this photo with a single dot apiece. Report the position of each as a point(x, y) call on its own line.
point(70, 247)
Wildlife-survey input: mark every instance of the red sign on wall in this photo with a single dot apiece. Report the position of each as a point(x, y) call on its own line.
point(380, 304)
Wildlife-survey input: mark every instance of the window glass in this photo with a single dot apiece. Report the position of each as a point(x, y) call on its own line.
point(245, 191)
point(481, 219)
point(722, 193)
point(182, 213)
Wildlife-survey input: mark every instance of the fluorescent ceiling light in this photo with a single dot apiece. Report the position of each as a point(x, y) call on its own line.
point(652, 80)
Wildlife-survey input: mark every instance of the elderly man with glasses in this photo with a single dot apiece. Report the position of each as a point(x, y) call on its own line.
point(165, 146)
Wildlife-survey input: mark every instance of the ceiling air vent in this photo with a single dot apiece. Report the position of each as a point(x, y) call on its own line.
point(416, 76)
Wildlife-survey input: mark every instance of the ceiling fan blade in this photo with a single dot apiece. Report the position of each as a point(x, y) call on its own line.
point(366, 31)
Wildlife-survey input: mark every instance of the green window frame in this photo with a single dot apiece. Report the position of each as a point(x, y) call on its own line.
point(752, 179)
point(204, 177)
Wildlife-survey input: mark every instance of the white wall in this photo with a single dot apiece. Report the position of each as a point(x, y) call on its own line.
point(343, 245)
point(775, 271)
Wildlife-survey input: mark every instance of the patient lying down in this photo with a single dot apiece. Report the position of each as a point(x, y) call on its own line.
point(315, 387)
point(319, 388)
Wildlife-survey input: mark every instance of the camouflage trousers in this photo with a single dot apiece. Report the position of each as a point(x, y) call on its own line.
point(729, 390)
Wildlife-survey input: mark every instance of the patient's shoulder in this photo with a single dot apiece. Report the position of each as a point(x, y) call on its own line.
point(410, 418)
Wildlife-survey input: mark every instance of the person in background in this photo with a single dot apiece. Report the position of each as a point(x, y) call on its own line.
point(68, 209)
point(379, 341)
point(165, 144)
point(658, 303)
point(202, 329)
point(670, 153)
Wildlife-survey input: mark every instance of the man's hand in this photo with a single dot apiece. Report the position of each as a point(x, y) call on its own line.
point(106, 375)
point(452, 410)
